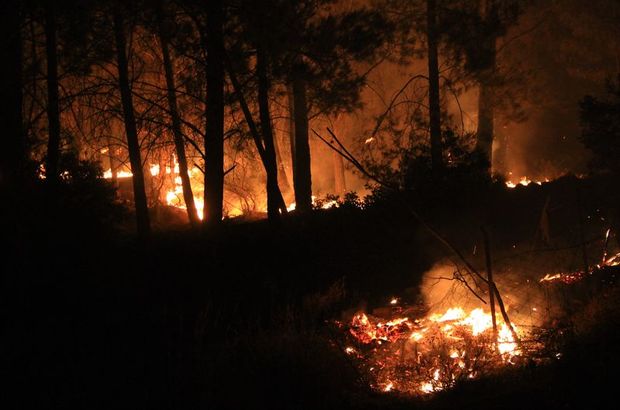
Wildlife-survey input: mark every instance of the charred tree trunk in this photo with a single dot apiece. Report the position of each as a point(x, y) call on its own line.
point(486, 114)
point(302, 178)
point(433, 88)
point(133, 145)
point(274, 196)
point(177, 134)
point(12, 154)
point(214, 114)
point(53, 110)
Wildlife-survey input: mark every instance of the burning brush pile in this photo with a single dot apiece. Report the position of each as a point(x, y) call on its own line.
point(453, 336)
point(432, 352)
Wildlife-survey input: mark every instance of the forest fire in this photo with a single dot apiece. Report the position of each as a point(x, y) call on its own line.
point(431, 353)
point(173, 195)
point(171, 191)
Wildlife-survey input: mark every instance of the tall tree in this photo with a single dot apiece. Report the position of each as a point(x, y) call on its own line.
point(177, 134)
point(433, 89)
point(275, 203)
point(302, 178)
point(214, 113)
point(471, 29)
point(311, 53)
point(133, 144)
point(319, 57)
point(283, 175)
point(53, 109)
point(256, 45)
point(486, 103)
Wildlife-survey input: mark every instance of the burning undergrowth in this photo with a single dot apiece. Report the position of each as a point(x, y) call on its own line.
point(451, 336)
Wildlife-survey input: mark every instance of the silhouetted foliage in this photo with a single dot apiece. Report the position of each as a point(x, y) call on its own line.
point(83, 197)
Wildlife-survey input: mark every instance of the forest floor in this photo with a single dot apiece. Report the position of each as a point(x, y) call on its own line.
point(236, 318)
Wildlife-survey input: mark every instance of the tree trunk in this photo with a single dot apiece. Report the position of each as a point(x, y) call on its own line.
point(53, 110)
point(214, 114)
point(302, 179)
point(283, 175)
point(177, 134)
point(142, 212)
point(291, 126)
point(260, 148)
point(12, 154)
point(433, 89)
point(274, 197)
point(484, 143)
point(488, 259)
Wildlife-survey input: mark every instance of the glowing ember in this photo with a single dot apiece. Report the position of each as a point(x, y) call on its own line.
point(366, 332)
point(572, 277)
point(551, 278)
point(612, 261)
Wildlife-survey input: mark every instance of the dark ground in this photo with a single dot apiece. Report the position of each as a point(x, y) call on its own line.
point(236, 318)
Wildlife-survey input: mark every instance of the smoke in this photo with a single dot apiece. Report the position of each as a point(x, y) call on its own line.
point(528, 303)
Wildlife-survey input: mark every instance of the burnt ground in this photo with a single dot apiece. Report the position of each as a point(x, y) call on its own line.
point(93, 319)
